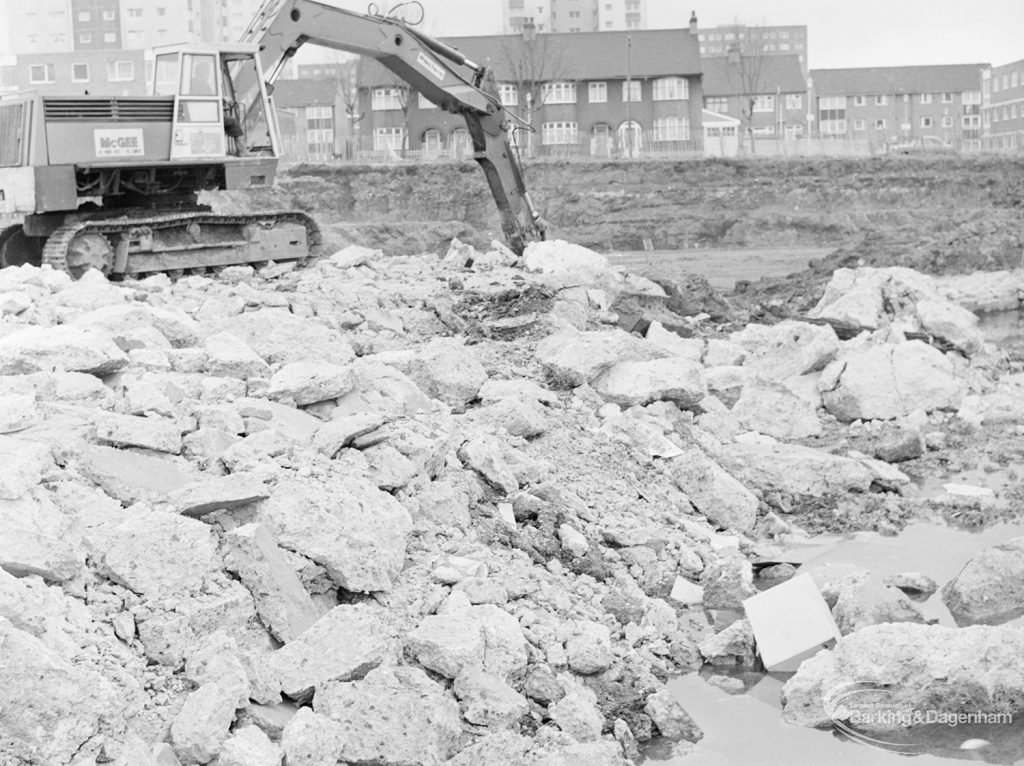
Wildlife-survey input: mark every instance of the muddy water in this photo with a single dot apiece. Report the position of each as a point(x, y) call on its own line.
point(721, 268)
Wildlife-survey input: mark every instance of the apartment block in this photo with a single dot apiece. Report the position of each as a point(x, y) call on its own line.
point(96, 24)
point(151, 23)
point(717, 42)
point(569, 16)
point(310, 112)
point(598, 93)
point(517, 14)
point(98, 73)
point(1002, 109)
point(35, 27)
point(892, 105)
point(776, 85)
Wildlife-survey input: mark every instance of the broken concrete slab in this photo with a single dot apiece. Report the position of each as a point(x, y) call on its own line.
point(179, 329)
point(447, 370)
point(395, 715)
point(281, 601)
point(343, 645)
point(589, 648)
point(249, 746)
point(280, 337)
point(671, 719)
point(17, 412)
point(206, 495)
point(713, 490)
point(73, 349)
point(309, 382)
point(228, 356)
point(989, 590)
point(483, 636)
point(772, 408)
point(486, 455)
point(733, 645)
point(160, 554)
point(486, 700)
point(339, 433)
point(25, 463)
point(577, 713)
point(571, 358)
point(864, 600)
point(790, 622)
point(786, 349)
point(132, 476)
point(353, 529)
point(37, 538)
point(673, 379)
point(155, 433)
point(794, 470)
point(200, 728)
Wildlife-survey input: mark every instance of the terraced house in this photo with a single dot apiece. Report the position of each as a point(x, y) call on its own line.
point(603, 94)
point(1003, 107)
point(889, 106)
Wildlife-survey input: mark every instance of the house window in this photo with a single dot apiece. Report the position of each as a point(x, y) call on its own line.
point(161, 11)
point(926, 122)
point(85, 38)
point(672, 129)
point(40, 73)
point(79, 73)
point(134, 13)
point(926, 98)
point(881, 100)
point(58, 39)
point(947, 98)
point(971, 97)
point(319, 118)
point(973, 121)
point(795, 101)
point(671, 89)
point(388, 139)
point(631, 90)
point(559, 133)
point(108, 15)
point(109, 37)
point(879, 124)
point(84, 16)
point(558, 93)
point(717, 104)
point(422, 102)
point(1013, 79)
point(947, 121)
point(858, 100)
point(508, 94)
point(597, 92)
point(120, 71)
point(764, 103)
point(858, 124)
point(383, 99)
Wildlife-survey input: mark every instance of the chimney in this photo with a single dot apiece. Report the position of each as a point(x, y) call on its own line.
point(693, 22)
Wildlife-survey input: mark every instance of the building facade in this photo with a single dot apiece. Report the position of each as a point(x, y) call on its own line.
point(517, 14)
point(769, 98)
point(310, 111)
point(569, 16)
point(600, 94)
point(1002, 108)
point(96, 25)
point(98, 73)
point(886, 106)
point(717, 42)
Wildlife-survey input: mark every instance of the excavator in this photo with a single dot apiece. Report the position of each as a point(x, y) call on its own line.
point(112, 183)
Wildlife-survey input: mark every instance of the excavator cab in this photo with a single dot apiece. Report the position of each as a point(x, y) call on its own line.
point(210, 117)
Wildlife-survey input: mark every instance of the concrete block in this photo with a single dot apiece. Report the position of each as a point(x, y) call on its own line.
point(791, 622)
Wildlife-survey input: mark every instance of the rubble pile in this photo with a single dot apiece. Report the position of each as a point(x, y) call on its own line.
point(405, 510)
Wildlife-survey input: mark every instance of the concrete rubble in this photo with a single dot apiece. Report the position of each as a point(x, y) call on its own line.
point(359, 512)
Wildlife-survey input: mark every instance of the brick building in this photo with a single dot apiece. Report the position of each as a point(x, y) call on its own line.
point(100, 72)
point(1002, 111)
point(777, 86)
point(890, 105)
point(578, 96)
point(717, 42)
point(311, 111)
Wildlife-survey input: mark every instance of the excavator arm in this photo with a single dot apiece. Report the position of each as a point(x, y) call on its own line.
point(437, 71)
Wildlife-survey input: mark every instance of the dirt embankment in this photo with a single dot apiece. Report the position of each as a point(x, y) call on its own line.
point(708, 203)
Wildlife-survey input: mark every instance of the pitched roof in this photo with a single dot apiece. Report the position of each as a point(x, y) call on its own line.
point(954, 78)
point(578, 55)
point(316, 92)
point(777, 73)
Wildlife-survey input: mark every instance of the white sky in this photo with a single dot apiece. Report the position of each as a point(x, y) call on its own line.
point(842, 33)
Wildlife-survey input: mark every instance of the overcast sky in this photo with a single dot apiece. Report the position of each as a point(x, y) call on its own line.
point(842, 33)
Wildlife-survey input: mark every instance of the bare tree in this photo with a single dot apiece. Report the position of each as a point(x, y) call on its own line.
point(350, 74)
point(529, 62)
point(745, 71)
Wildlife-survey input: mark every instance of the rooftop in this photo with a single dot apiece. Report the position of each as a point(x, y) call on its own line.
point(954, 78)
point(777, 73)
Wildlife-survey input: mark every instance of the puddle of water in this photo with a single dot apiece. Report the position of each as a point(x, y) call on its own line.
point(1002, 328)
point(748, 728)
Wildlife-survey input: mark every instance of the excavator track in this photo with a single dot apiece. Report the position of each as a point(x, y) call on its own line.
point(177, 242)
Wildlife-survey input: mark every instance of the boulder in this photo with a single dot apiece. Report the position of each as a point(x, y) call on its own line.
point(38, 538)
point(17, 412)
point(447, 370)
point(571, 358)
point(483, 636)
point(311, 739)
point(786, 349)
point(228, 356)
point(73, 349)
point(486, 700)
point(343, 645)
point(912, 667)
point(567, 259)
point(200, 728)
point(671, 719)
point(283, 604)
point(589, 648)
point(773, 409)
point(903, 443)
point(486, 454)
point(865, 600)
point(309, 382)
point(350, 527)
point(714, 491)
point(889, 381)
point(394, 715)
point(674, 379)
point(339, 433)
point(989, 590)
point(916, 585)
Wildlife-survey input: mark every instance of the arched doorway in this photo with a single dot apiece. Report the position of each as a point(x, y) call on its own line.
point(630, 139)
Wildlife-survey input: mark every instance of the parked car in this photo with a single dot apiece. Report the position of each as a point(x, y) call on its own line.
point(924, 145)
